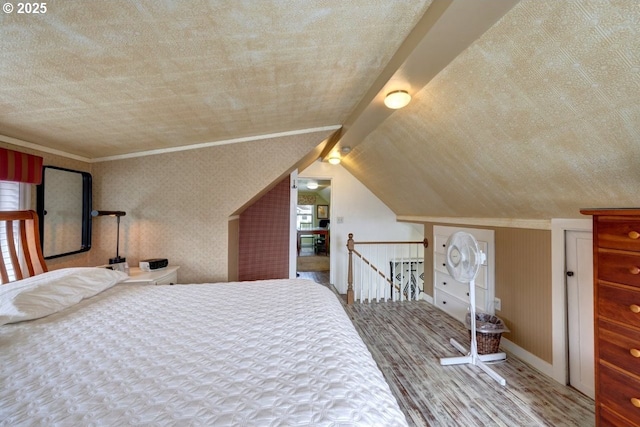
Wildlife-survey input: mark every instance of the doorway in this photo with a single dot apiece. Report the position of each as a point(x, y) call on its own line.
point(313, 225)
point(579, 286)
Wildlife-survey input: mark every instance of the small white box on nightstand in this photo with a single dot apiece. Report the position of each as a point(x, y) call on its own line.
point(165, 276)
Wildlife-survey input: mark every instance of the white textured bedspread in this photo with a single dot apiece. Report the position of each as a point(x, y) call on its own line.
point(263, 353)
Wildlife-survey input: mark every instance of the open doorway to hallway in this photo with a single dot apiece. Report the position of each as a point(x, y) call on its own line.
point(313, 225)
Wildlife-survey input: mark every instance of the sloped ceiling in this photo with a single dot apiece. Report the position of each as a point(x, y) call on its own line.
point(538, 118)
point(107, 78)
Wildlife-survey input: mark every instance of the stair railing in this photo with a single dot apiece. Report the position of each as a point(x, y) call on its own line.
point(401, 278)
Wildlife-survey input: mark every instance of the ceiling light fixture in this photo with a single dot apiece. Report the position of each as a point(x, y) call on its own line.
point(312, 185)
point(334, 159)
point(397, 99)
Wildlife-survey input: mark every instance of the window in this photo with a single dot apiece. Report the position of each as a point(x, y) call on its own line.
point(13, 196)
point(304, 219)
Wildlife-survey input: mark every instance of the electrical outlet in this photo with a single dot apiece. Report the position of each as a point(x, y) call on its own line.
point(340, 219)
point(497, 304)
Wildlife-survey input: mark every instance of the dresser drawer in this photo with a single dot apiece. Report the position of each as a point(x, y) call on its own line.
point(452, 305)
point(460, 290)
point(621, 304)
point(440, 243)
point(608, 418)
point(619, 233)
point(618, 390)
point(619, 267)
point(619, 346)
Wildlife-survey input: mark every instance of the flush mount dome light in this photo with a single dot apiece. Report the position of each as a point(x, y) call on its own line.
point(397, 99)
point(312, 185)
point(334, 159)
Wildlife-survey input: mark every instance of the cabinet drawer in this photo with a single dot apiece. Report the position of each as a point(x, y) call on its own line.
point(440, 243)
point(619, 346)
point(609, 418)
point(452, 305)
point(619, 233)
point(169, 279)
point(441, 265)
point(460, 290)
point(619, 267)
point(619, 304)
point(618, 391)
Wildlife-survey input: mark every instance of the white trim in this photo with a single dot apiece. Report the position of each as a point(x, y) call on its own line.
point(216, 143)
point(531, 359)
point(25, 144)
point(33, 146)
point(293, 231)
point(559, 227)
point(534, 224)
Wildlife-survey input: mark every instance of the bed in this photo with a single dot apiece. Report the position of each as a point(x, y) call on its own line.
point(79, 347)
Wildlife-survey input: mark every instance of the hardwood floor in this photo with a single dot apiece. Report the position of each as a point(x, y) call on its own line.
point(407, 341)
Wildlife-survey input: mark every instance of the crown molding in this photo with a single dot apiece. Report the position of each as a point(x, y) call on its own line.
point(33, 146)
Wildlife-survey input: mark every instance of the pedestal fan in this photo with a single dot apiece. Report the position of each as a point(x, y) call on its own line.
point(464, 259)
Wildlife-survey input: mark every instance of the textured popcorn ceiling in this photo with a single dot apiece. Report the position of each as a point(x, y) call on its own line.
point(538, 118)
point(103, 78)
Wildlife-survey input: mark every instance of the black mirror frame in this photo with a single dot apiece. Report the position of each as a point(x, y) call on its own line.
point(86, 210)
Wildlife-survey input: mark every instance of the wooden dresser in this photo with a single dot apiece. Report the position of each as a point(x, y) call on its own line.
point(616, 270)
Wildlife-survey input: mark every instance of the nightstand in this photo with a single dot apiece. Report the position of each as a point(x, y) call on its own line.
point(162, 276)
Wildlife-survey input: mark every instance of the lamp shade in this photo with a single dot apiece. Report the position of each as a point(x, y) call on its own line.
point(397, 99)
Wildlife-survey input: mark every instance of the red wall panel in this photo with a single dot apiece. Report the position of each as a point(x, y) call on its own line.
point(264, 236)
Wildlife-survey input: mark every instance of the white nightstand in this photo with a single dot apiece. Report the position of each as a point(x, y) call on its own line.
point(162, 276)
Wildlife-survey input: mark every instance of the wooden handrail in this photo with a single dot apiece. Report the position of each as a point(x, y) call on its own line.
point(424, 242)
point(351, 248)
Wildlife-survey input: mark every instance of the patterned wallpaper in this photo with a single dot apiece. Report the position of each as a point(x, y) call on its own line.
point(178, 204)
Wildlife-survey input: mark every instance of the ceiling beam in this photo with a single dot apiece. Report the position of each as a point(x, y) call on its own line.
point(447, 28)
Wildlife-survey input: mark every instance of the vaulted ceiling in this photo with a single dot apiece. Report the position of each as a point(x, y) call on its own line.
point(106, 78)
point(536, 119)
point(525, 109)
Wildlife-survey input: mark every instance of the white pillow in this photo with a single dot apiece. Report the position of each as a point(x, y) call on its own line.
point(50, 292)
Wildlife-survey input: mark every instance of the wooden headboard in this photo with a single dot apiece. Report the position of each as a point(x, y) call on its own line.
point(22, 253)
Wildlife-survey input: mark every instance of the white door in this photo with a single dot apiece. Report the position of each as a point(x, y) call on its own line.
point(579, 268)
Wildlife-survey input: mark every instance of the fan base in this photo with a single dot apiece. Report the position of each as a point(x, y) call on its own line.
point(477, 360)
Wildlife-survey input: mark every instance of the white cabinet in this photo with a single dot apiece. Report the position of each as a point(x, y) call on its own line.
point(452, 296)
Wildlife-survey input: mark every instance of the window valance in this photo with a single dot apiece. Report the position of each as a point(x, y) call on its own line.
point(20, 167)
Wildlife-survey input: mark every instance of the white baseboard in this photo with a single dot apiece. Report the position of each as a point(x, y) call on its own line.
point(426, 297)
point(533, 360)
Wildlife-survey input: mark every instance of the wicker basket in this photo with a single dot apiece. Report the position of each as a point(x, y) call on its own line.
point(489, 329)
point(488, 343)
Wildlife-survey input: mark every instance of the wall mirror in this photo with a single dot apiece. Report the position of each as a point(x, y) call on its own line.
point(64, 208)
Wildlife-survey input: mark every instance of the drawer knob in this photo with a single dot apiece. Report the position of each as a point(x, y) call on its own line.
point(635, 308)
point(634, 270)
point(635, 352)
point(633, 235)
point(635, 402)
